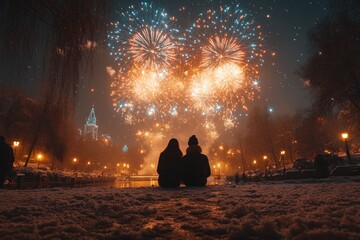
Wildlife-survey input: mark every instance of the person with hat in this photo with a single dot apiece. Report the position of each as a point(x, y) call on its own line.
point(196, 168)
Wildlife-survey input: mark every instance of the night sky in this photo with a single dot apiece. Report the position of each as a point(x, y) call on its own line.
point(284, 23)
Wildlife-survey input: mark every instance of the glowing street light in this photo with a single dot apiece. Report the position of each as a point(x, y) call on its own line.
point(254, 162)
point(282, 153)
point(345, 136)
point(39, 157)
point(16, 145)
point(75, 162)
point(265, 158)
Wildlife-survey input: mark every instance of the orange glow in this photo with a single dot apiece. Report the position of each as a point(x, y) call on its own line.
point(345, 135)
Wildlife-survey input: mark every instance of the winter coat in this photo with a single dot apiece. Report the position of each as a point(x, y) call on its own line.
point(169, 169)
point(6, 160)
point(196, 168)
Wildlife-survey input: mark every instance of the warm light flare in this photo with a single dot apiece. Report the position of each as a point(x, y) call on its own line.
point(345, 135)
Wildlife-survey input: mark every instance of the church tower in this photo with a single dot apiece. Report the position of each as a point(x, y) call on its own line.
point(90, 127)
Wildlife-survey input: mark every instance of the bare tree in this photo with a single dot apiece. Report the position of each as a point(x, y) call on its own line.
point(62, 31)
point(333, 69)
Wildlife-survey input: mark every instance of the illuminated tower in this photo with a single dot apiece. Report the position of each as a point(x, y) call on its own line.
point(90, 127)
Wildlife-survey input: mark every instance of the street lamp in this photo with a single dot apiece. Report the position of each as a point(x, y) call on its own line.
point(282, 153)
point(265, 162)
point(75, 161)
point(345, 136)
point(16, 145)
point(39, 157)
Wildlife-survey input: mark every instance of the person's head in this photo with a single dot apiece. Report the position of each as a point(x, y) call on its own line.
point(2, 139)
point(173, 143)
point(173, 147)
point(193, 141)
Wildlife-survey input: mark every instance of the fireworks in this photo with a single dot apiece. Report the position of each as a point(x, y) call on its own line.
point(225, 55)
point(222, 52)
point(144, 46)
point(152, 49)
point(143, 37)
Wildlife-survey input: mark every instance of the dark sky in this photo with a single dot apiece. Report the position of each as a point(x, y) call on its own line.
point(285, 24)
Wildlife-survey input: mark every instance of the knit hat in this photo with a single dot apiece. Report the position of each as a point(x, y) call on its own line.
point(193, 140)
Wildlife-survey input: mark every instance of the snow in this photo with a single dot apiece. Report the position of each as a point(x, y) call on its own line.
point(298, 209)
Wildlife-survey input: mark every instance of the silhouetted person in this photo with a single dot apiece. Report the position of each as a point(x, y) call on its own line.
point(6, 161)
point(321, 165)
point(169, 166)
point(237, 178)
point(196, 168)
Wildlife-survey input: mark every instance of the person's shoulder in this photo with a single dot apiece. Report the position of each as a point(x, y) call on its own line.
point(203, 156)
point(162, 154)
point(5, 146)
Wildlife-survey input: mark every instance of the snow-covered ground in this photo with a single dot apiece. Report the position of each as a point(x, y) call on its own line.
point(302, 209)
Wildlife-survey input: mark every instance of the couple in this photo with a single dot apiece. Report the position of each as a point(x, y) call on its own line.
point(192, 169)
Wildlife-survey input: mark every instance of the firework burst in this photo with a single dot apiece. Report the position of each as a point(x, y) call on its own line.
point(144, 46)
point(226, 52)
point(143, 37)
point(152, 49)
point(219, 51)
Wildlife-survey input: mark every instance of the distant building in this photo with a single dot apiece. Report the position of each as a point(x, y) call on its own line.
point(90, 127)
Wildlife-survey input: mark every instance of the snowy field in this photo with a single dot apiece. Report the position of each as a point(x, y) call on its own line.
point(303, 209)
